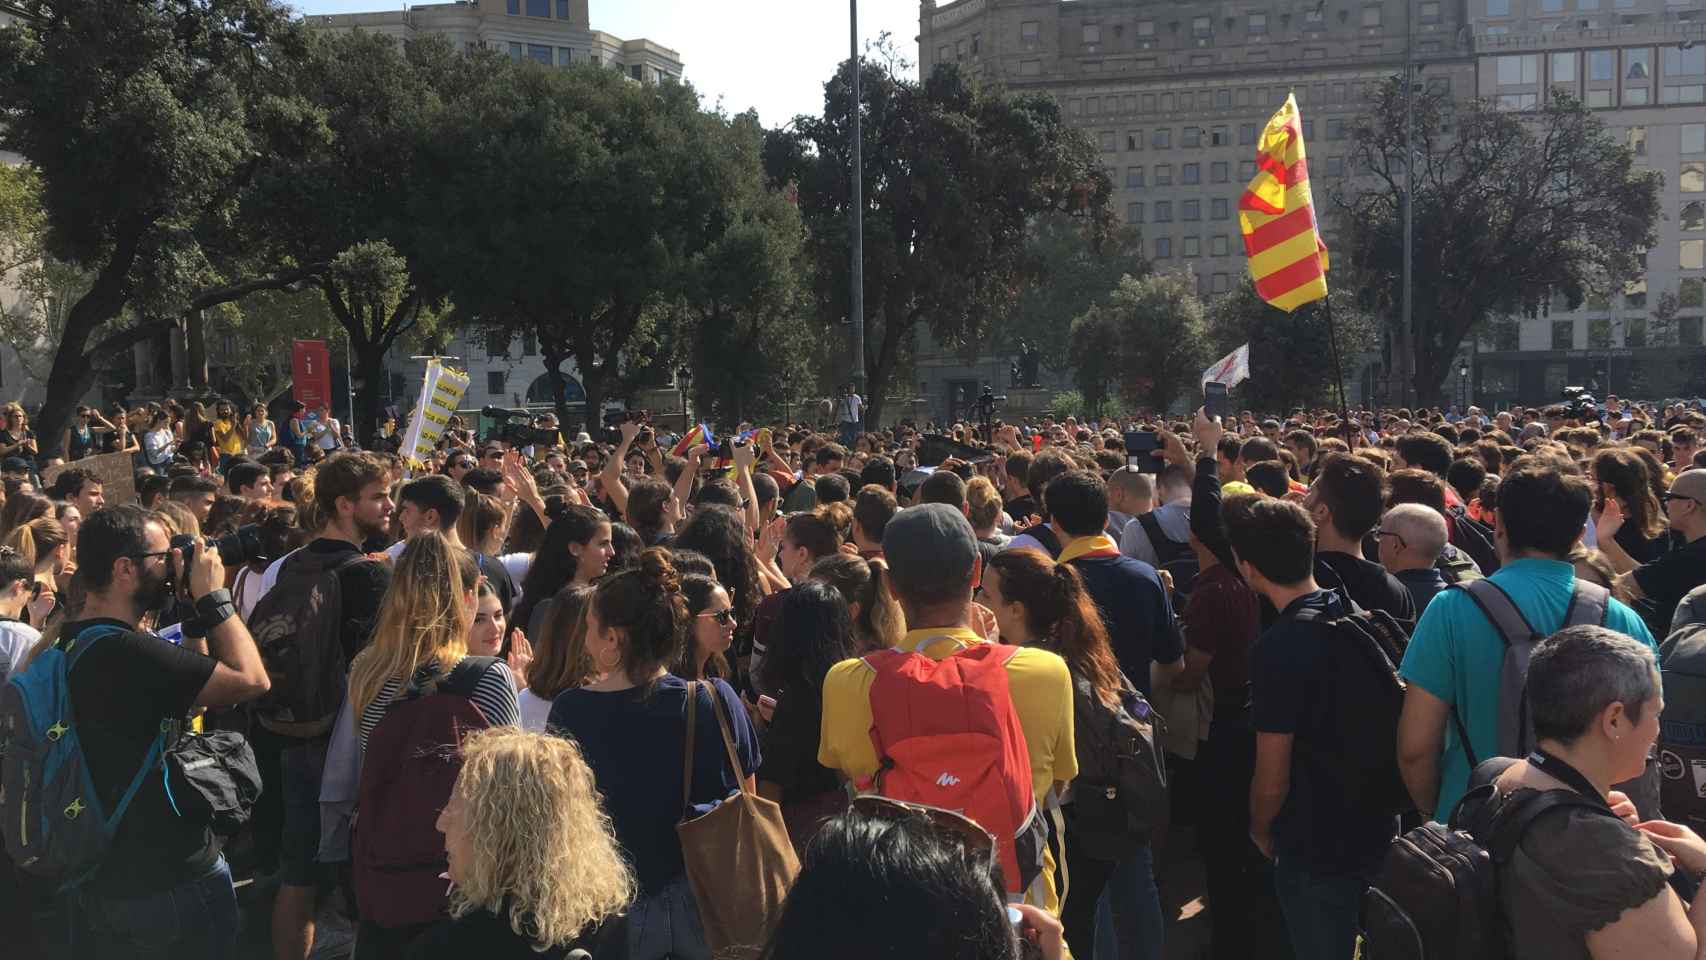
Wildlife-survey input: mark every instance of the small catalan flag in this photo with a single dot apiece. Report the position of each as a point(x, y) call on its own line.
point(1288, 261)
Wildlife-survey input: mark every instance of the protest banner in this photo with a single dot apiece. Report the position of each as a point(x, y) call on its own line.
point(441, 392)
point(116, 472)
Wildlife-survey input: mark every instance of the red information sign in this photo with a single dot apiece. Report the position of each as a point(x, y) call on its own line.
point(311, 365)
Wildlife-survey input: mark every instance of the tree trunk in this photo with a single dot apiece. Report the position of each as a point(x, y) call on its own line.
point(195, 349)
point(554, 358)
point(72, 373)
point(877, 377)
point(370, 367)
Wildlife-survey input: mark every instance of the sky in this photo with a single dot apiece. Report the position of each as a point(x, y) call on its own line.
point(770, 54)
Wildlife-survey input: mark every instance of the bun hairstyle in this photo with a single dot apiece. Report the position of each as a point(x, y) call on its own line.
point(1059, 609)
point(14, 566)
point(646, 605)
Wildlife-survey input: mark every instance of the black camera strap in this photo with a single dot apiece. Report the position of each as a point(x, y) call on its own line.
point(1552, 766)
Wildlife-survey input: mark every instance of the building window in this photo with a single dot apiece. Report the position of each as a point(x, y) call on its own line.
point(1202, 26)
point(1638, 140)
point(1688, 331)
point(1190, 173)
point(539, 8)
point(563, 56)
point(1028, 68)
point(1312, 14)
point(976, 44)
point(1163, 174)
point(1146, 28)
point(1217, 136)
point(1518, 101)
point(1134, 140)
point(1190, 210)
point(1638, 76)
point(1551, 6)
point(1133, 177)
point(1163, 248)
point(497, 345)
point(1221, 283)
point(1691, 292)
point(1163, 211)
point(1246, 170)
point(1092, 33)
point(1683, 93)
point(1498, 8)
point(1685, 63)
point(539, 54)
point(1258, 24)
point(944, 53)
point(1335, 128)
point(1635, 332)
point(1564, 70)
point(515, 8)
point(1106, 138)
point(1246, 134)
point(1429, 12)
point(1602, 65)
point(1599, 99)
point(1516, 70)
point(1190, 138)
point(1693, 177)
point(1218, 245)
point(1218, 208)
point(1335, 166)
point(515, 52)
point(1563, 334)
point(637, 71)
point(529, 344)
point(562, 9)
point(1027, 32)
point(1599, 334)
point(1693, 254)
point(1192, 247)
point(1134, 213)
point(1693, 217)
point(1162, 139)
point(960, 49)
point(1371, 16)
point(494, 383)
point(1219, 171)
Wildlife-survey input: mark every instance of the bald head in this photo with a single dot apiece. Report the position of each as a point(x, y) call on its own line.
point(1131, 491)
point(1686, 504)
point(1412, 537)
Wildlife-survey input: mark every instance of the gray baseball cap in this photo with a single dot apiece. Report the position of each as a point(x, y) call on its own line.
point(930, 549)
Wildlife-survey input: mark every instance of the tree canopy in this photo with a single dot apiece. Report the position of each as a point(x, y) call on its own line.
point(1146, 343)
point(1508, 207)
point(1291, 356)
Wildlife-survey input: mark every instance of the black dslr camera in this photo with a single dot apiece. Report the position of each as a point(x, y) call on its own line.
point(241, 548)
point(516, 428)
point(1579, 404)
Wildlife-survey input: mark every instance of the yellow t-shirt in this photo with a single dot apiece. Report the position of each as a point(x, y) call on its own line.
point(228, 437)
point(1038, 681)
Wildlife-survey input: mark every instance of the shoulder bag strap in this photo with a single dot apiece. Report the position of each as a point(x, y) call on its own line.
point(1509, 830)
point(1588, 604)
point(720, 709)
point(1152, 530)
point(1500, 610)
point(687, 754)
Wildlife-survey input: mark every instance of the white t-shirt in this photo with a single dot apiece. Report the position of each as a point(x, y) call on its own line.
point(16, 639)
point(534, 711)
point(847, 408)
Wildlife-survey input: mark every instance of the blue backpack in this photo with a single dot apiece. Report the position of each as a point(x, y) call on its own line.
point(50, 814)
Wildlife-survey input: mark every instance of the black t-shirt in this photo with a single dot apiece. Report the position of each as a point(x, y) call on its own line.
point(498, 576)
point(1318, 825)
point(1367, 583)
point(362, 586)
point(790, 747)
point(122, 688)
point(1640, 547)
point(479, 934)
point(1668, 579)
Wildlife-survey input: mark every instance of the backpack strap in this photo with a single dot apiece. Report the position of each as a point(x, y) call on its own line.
point(1499, 609)
point(1509, 824)
point(74, 647)
point(1588, 604)
point(1152, 530)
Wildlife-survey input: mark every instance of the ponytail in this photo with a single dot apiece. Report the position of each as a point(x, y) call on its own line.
point(1061, 611)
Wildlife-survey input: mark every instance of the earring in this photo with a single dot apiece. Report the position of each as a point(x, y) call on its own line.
point(615, 661)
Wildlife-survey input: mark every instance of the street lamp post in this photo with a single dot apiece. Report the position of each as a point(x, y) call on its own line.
point(1407, 356)
point(857, 307)
point(1463, 386)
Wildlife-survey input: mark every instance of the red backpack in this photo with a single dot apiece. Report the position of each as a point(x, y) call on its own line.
point(947, 735)
point(411, 763)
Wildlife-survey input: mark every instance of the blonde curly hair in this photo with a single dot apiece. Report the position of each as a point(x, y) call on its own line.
point(544, 850)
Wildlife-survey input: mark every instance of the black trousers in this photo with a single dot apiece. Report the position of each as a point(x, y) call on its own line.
point(1244, 915)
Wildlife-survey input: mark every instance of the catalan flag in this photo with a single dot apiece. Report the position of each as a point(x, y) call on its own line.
point(699, 434)
point(1288, 261)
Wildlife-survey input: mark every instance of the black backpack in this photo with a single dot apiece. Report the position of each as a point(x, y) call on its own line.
point(1120, 793)
point(1362, 699)
point(1436, 894)
point(1045, 535)
point(1176, 558)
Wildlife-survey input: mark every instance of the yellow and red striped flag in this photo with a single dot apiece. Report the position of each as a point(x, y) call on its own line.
point(1288, 261)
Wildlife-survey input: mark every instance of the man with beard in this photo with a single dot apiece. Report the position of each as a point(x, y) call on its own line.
point(163, 886)
point(353, 499)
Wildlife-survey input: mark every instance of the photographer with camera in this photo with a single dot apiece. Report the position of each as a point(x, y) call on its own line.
point(161, 887)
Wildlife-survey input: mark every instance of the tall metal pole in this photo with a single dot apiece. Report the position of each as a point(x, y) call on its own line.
point(1407, 355)
point(858, 271)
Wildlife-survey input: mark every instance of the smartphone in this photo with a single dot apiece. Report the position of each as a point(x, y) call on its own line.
point(1141, 446)
point(1213, 399)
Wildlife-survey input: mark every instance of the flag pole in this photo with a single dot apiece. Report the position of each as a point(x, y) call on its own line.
point(1338, 370)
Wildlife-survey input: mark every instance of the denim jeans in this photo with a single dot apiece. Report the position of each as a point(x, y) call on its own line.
point(1321, 909)
point(195, 920)
point(1128, 915)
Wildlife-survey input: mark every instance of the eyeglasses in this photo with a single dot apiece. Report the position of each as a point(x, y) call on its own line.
point(1668, 497)
point(149, 556)
point(958, 827)
point(724, 616)
point(1395, 536)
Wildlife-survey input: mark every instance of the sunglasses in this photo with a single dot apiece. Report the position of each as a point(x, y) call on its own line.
point(724, 617)
point(462, 465)
point(1668, 497)
point(949, 825)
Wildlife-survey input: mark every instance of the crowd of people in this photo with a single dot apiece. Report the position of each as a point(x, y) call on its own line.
point(972, 677)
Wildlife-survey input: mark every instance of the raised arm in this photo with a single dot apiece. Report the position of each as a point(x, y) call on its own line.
point(744, 458)
point(614, 488)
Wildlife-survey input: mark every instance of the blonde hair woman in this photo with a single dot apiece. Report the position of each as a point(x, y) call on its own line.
point(421, 634)
point(533, 862)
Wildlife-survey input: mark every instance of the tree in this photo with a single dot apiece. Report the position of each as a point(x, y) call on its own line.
point(745, 302)
point(1146, 342)
point(1070, 271)
point(1291, 355)
point(953, 175)
point(145, 121)
point(264, 326)
point(1508, 208)
point(591, 197)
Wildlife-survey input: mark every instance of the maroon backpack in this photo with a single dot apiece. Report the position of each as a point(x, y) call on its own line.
point(411, 763)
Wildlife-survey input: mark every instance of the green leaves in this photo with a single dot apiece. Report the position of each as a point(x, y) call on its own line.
point(1146, 342)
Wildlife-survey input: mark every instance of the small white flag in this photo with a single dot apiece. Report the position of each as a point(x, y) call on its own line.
point(1232, 369)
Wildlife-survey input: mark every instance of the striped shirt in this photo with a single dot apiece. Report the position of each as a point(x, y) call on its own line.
point(494, 694)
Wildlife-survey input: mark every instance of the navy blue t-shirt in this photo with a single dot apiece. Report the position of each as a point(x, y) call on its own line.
point(1136, 611)
point(1318, 825)
point(634, 740)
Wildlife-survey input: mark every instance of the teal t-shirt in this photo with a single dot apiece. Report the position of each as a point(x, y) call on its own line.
point(1457, 656)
